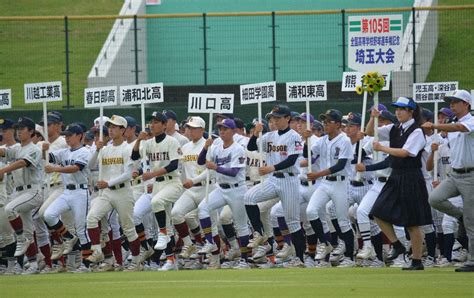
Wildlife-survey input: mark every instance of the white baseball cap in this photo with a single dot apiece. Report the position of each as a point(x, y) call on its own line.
point(460, 95)
point(97, 120)
point(117, 120)
point(196, 121)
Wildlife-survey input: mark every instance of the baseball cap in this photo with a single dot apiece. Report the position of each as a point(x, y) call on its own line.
point(354, 119)
point(380, 107)
point(117, 120)
point(89, 135)
point(318, 125)
point(427, 114)
point(158, 116)
point(95, 130)
point(97, 120)
point(331, 115)
point(52, 118)
point(225, 115)
point(255, 121)
point(459, 95)
point(303, 117)
point(82, 125)
point(72, 129)
point(25, 122)
point(6, 123)
point(239, 123)
point(404, 102)
point(131, 122)
point(279, 111)
point(170, 114)
point(447, 112)
point(57, 114)
point(196, 121)
point(228, 123)
point(294, 115)
point(389, 116)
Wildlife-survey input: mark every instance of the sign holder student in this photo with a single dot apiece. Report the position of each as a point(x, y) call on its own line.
point(100, 97)
point(209, 104)
point(433, 92)
point(374, 45)
point(44, 93)
point(258, 93)
point(306, 92)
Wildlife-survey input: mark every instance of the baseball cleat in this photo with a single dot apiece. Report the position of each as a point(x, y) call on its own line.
point(257, 240)
point(96, 257)
point(69, 245)
point(22, 245)
point(367, 252)
point(163, 240)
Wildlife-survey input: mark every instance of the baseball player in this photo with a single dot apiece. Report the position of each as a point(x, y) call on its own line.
point(115, 191)
point(227, 159)
point(163, 152)
point(171, 119)
point(283, 147)
point(27, 169)
point(73, 164)
point(335, 153)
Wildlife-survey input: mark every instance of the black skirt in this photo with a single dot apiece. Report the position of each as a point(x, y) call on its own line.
point(403, 200)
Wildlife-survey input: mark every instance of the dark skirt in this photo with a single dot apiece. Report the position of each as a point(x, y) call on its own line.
point(403, 200)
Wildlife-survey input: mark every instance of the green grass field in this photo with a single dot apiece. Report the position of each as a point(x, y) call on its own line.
point(357, 282)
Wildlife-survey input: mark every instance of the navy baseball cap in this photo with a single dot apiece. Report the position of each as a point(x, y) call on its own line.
point(89, 135)
point(388, 116)
point(57, 114)
point(6, 123)
point(52, 118)
point(427, 115)
point(303, 117)
point(354, 119)
point(447, 112)
point(318, 125)
point(404, 102)
point(72, 129)
point(239, 123)
point(170, 115)
point(279, 111)
point(25, 122)
point(380, 107)
point(158, 116)
point(228, 123)
point(294, 115)
point(255, 121)
point(225, 115)
point(131, 122)
point(105, 130)
point(331, 115)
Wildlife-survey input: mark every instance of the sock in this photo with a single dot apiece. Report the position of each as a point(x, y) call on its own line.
point(253, 213)
point(161, 219)
point(348, 238)
point(378, 245)
point(10, 250)
point(206, 228)
point(271, 241)
point(440, 243)
point(229, 231)
point(300, 244)
point(430, 240)
point(364, 230)
point(197, 235)
point(31, 251)
point(312, 241)
point(140, 229)
point(61, 229)
point(217, 241)
point(135, 247)
point(182, 229)
point(46, 251)
point(317, 226)
point(244, 241)
point(397, 245)
point(278, 237)
point(336, 226)
point(448, 246)
point(107, 249)
point(17, 225)
point(334, 239)
point(117, 249)
point(94, 235)
point(284, 230)
point(234, 243)
point(415, 262)
point(169, 248)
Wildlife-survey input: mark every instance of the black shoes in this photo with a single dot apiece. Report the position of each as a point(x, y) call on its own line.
point(414, 267)
point(395, 252)
point(465, 268)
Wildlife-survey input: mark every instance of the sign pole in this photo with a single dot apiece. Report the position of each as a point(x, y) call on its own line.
point(208, 174)
point(376, 125)
point(436, 153)
point(260, 134)
point(308, 127)
point(362, 128)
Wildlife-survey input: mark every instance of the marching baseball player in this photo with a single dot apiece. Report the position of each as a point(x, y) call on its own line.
point(283, 147)
point(27, 169)
point(171, 119)
point(115, 191)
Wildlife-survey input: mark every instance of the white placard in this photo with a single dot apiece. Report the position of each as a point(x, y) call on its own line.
point(303, 91)
point(210, 103)
point(375, 43)
point(472, 96)
point(143, 93)
point(253, 93)
point(5, 99)
point(433, 92)
point(351, 79)
point(43, 92)
point(100, 97)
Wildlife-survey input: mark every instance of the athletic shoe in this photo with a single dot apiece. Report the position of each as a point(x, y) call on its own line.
point(309, 262)
point(294, 263)
point(232, 254)
point(193, 265)
point(207, 248)
point(322, 264)
point(261, 251)
point(367, 252)
point(146, 253)
point(399, 262)
point(229, 264)
point(31, 270)
point(429, 262)
point(47, 270)
point(376, 263)
point(187, 251)
point(214, 262)
point(118, 267)
point(163, 240)
point(338, 253)
point(107, 265)
point(459, 255)
point(394, 252)
point(57, 251)
point(322, 250)
point(414, 267)
point(257, 240)
point(22, 245)
point(11, 268)
point(82, 269)
point(69, 245)
point(285, 252)
point(242, 264)
point(465, 268)
point(443, 262)
point(125, 255)
point(346, 263)
point(134, 265)
point(268, 265)
point(96, 257)
point(169, 266)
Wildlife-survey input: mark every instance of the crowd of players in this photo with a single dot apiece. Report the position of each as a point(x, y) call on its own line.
point(136, 200)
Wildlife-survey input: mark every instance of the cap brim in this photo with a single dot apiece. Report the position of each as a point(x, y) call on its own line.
point(113, 123)
point(193, 126)
point(276, 115)
point(223, 125)
point(401, 105)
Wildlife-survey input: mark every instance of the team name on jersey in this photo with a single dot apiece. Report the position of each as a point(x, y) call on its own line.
point(253, 162)
point(190, 158)
point(112, 161)
point(336, 152)
point(276, 148)
point(156, 156)
point(223, 160)
point(68, 162)
point(445, 160)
